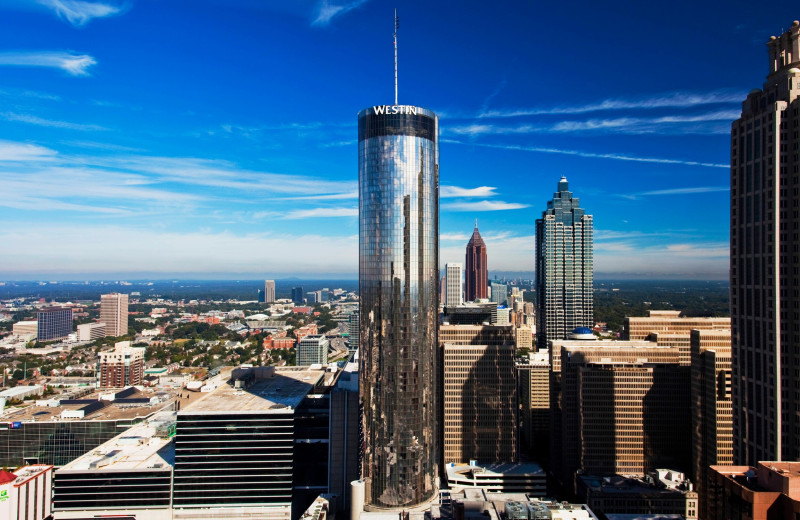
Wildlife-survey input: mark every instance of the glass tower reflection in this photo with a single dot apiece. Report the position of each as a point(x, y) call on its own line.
point(398, 171)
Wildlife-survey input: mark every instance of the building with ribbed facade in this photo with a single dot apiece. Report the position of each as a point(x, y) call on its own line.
point(269, 291)
point(534, 398)
point(398, 172)
point(454, 285)
point(765, 302)
point(312, 349)
point(564, 268)
point(114, 313)
point(618, 408)
point(477, 273)
point(53, 323)
point(712, 421)
point(479, 393)
point(670, 329)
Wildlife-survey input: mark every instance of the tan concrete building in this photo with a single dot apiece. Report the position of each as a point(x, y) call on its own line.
point(712, 419)
point(523, 335)
point(480, 393)
point(771, 490)
point(534, 399)
point(114, 313)
point(25, 328)
point(668, 328)
point(121, 367)
point(90, 331)
point(619, 407)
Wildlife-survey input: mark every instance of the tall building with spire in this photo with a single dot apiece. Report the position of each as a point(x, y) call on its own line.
point(564, 268)
point(398, 172)
point(765, 303)
point(477, 274)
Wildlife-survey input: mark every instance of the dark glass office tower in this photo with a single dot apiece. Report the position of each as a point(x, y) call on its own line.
point(564, 268)
point(398, 171)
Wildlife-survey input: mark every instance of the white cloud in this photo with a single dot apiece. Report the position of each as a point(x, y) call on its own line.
point(73, 64)
point(707, 260)
point(707, 123)
point(685, 191)
point(194, 252)
point(459, 237)
point(483, 205)
point(34, 120)
point(579, 153)
point(670, 100)
point(327, 11)
point(457, 191)
point(13, 151)
point(322, 213)
point(330, 196)
point(78, 12)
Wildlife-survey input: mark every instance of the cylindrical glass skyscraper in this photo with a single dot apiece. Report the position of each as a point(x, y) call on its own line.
point(398, 174)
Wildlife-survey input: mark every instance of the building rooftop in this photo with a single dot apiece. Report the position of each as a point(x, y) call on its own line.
point(496, 470)
point(148, 445)
point(270, 390)
point(111, 410)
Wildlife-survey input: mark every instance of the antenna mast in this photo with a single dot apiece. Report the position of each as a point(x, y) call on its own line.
point(396, 26)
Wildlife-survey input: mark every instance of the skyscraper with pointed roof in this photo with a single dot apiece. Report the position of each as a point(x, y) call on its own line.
point(564, 268)
point(477, 275)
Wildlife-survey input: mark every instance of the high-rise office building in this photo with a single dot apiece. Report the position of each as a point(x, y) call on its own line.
point(712, 424)
point(670, 329)
point(53, 323)
point(564, 264)
point(269, 291)
point(312, 349)
point(297, 295)
point(477, 273)
point(114, 313)
point(398, 170)
point(534, 398)
point(479, 393)
point(618, 407)
point(765, 303)
point(354, 333)
point(454, 283)
point(480, 403)
point(499, 293)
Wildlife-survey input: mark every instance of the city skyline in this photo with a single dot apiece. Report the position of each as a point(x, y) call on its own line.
point(210, 138)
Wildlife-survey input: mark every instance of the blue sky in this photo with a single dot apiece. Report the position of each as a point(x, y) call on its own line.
point(217, 138)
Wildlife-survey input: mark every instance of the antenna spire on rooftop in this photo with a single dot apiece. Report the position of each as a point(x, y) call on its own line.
point(396, 26)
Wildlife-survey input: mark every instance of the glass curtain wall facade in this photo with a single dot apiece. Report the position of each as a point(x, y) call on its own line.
point(398, 169)
point(564, 268)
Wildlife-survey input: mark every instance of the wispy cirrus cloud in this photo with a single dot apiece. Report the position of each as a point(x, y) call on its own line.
point(78, 12)
point(685, 191)
point(38, 121)
point(14, 151)
point(696, 123)
point(329, 196)
point(667, 100)
point(327, 11)
point(321, 213)
point(579, 153)
point(72, 64)
point(483, 205)
point(457, 191)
